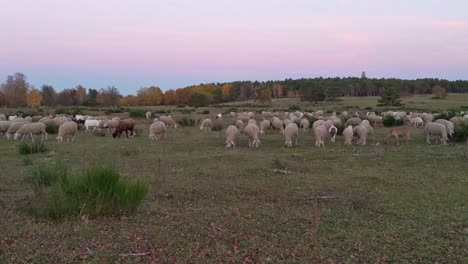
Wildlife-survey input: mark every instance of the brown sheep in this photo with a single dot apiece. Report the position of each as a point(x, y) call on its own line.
point(125, 125)
point(395, 132)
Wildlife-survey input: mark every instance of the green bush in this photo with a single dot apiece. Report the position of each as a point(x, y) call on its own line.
point(137, 113)
point(217, 127)
point(444, 115)
point(294, 108)
point(69, 111)
point(34, 147)
point(198, 100)
point(51, 129)
point(390, 121)
point(186, 122)
point(114, 110)
point(100, 191)
point(461, 133)
point(229, 110)
point(185, 111)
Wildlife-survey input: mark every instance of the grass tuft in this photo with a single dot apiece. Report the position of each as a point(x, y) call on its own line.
point(391, 121)
point(31, 148)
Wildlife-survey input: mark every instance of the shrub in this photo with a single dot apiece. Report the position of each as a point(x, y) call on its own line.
point(198, 100)
point(340, 129)
point(186, 121)
point(114, 110)
point(137, 113)
point(294, 108)
point(181, 106)
point(229, 110)
point(461, 133)
point(51, 129)
point(390, 121)
point(205, 112)
point(444, 115)
point(185, 111)
point(100, 191)
point(217, 127)
point(34, 147)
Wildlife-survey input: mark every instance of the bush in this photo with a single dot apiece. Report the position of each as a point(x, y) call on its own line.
point(461, 133)
point(340, 129)
point(181, 106)
point(100, 191)
point(294, 108)
point(229, 110)
point(390, 121)
point(444, 115)
point(217, 127)
point(198, 100)
point(69, 111)
point(51, 129)
point(34, 147)
point(205, 112)
point(185, 111)
point(137, 113)
point(114, 110)
point(186, 121)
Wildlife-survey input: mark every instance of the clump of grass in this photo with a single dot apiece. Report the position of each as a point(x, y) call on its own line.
point(390, 121)
point(100, 191)
point(185, 111)
point(51, 129)
point(229, 110)
point(461, 133)
point(217, 127)
point(34, 147)
point(113, 110)
point(294, 108)
point(137, 113)
point(27, 161)
point(186, 121)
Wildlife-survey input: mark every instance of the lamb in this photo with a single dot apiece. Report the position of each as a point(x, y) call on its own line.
point(305, 124)
point(264, 125)
point(67, 129)
point(354, 121)
point(31, 129)
point(332, 131)
point(149, 115)
point(320, 134)
point(91, 124)
point(168, 121)
point(4, 125)
point(15, 126)
point(126, 125)
point(348, 135)
point(396, 132)
point(436, 129)
point(157, 130)
point(448, 125)
point(252, 131)
point(362, 132)
point(277, 124)
point(417, 121)
point(232, 135)
point(291, 132)
point(206, 125)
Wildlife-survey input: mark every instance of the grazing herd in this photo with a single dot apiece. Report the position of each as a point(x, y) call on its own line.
point(357, 129)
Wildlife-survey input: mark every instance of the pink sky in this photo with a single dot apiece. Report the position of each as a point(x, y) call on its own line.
point(131, 44)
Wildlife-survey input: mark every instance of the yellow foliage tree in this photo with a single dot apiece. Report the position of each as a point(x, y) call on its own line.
point(34, 98)
point(150, 96)
point(170, 97)
point(226, 90)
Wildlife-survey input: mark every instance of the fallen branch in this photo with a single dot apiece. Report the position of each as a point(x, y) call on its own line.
point(133, 254)
point(282, 171)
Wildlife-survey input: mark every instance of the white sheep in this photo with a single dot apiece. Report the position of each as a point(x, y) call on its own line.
point(305, 124)
point(365, 123)
point(436, 129)
point(157, 130)
point(286, 122)
point(267, 115)
point(448, 125)
point(427, 117)
point(416, 121)
point(317, 123)
point(232, 135)
point(332, 131)
point(348, 135)
point(15, 126)
point(4, 125)
point(320, 135)
point(362, 133)
point(67, 129)
point(91, 124)
point(291, 132)
point(31, 129)
point(239, 124)
point(458, 120)
point(3, 117)
point(219, 116)
point(252, 131)
point(354, 121)
point(277, 124)
point(168, 121)
point(206, 125)
point(149, 115)
point(252, 121)
point(374, 119)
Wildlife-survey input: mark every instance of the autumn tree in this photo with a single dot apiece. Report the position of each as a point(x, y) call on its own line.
point(34, 98)
point(15, 90)
point(170, 97)
point(439, 92)
point(226, 91)
point(80, 94)
point(264, 95)
point(49, 96)
point(218, 95)
point(150, 96)
point(109, 96)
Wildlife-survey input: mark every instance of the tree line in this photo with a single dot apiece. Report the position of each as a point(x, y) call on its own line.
point(17, 92)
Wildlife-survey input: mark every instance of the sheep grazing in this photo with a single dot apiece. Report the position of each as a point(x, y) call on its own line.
point(365, 123)
point(286, 122)
point(15, 126)
point(219, 116)
point(448, 125)
point(232, 135)
point(240, 124)
point(149, 116)
point(112, 124)
point(319, 113)
point(168, 121)
point(251, 115)
point(67, 129)
point(416, 121)
point(348, 134)
point(206, 125)
point(267, 115)
point(332, 131)
point(320, 135)
point(252, 121)
point(243, 117)
point(36, 119)
point(264, 125)
point(305, 124)
point(12, 117)
point(252, 131)
point(232, 115)
point(396, 132)
point(157, 130)
point(436, 129)
point(317, 123)
point(354, 121)
point(336, 121)
point(277, 124)
point(427, 117)
point(291, 132)
point(374, 120)
point(31, 129)
point(3, 117)
point(126, 125)
point(362, 133)
point(328, 124)
point(4, 125)
point(91, 124)
point(458, 121)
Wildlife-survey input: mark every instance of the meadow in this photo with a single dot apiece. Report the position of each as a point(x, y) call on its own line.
point(206, 204)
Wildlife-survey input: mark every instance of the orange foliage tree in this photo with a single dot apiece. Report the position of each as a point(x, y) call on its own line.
point(33, 98)
point(226, 90)
point(150, 96)
point(170, 97)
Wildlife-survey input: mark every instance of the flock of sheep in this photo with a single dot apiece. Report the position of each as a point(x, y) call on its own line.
point(325, 129)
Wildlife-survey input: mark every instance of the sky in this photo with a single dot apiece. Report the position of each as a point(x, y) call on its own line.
point(172, 44)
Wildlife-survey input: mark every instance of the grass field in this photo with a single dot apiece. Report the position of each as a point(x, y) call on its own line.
point(206, 204)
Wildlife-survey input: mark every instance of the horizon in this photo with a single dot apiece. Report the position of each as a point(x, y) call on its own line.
point(179, 44)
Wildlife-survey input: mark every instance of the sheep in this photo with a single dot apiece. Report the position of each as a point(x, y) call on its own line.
point(348, 135)
point(252, 121)
point(18, 119)
point(232, 115)
point(252, 131)
point(370, 131)
point(157, 130)
point(416, 121)
point(91, 124)
point(206, 125)
point(362, 132)
point(317, 123)
point(328, 124)
point(28, 118)
point(365, 123)
point(319, 113)
point(168, 121)
point(47, 121)
point(240, 124)
point(67, 129)
point(264, 125)
point(320, 134)
point(243, 117)
point(286, 122)
point(112, 124)
point(458, 120)
point(305, 124)
point(15, 126)
point(12, 117)
point(36, 119)
point(3, 117)
point(101, 118)
point(4, 125)
point(427, 117)
point(448, 125)
point(219, 116)
point(336, 121)
point(291, 133)
point(60, 120)
point(126, 125)
point(374, 120)
point(399, 131)
point(332, 131)
point(354, 121)
point(277, 124)
point(436, 129)
point(344, 114)
point(232, 135)
point(251, 115)
point(267, 115)
point(31, 129)
point(149, 115)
